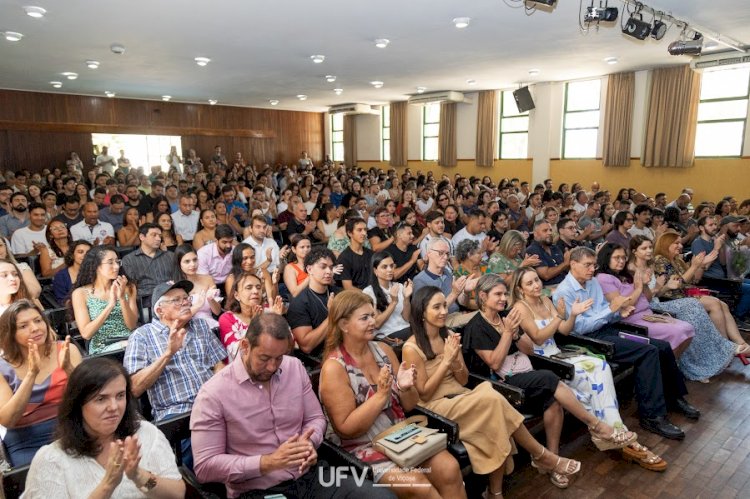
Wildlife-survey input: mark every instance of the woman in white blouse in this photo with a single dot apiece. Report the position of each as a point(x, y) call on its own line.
point(105, 449)
point(392, 306)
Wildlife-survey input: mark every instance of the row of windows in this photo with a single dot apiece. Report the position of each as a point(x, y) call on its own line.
point(722, 117)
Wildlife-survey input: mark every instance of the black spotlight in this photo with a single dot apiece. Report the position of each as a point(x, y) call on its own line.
point(658, 30)
point(551, 3)
point(637, 28)
point(601, 14)
point(686, 47)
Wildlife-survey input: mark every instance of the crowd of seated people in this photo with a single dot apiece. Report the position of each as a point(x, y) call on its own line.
point(177, 275)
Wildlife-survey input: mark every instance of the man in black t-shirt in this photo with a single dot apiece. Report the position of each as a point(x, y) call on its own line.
point(356, 259)
point(380, 236)
point(71, 212)
point(137, 200)
point(308, 311)
point(405, 254)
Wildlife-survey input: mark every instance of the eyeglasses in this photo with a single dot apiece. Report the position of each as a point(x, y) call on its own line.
point(441, 254)
point(620, 258)
point(178, 301)
point(112, 262)
point(588, 265)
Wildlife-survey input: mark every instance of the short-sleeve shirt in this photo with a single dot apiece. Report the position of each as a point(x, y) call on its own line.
point(715, 270)
point(67, 221)
point(176, 388)
point(91, 233)
point(478, 334)
point(444, 282)
point(401, 258)
point(552, 259)
point(309, 309)
point(146, 272)
point(357, 268)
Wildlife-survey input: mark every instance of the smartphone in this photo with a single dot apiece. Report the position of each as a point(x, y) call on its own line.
point(635, 337)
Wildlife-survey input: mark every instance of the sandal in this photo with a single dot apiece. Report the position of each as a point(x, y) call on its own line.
point(617, 440)
point(487, 494)
point(560, 472)
point(636, 452)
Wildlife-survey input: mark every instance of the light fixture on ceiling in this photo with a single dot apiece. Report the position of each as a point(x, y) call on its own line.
point(302, 97)
point(659, 29)
point(534, 72)
point(109, 94)
point(421, 90)
point(611, 60)
point(461, 22)
point(603, 13)
point(212, 101)
point(377, 84)
point(56, 84)
point(549, 3)
point(35, 12)
point(338, 91)
point(92, 64)
point(202, 61)
point(317, 59)
point(471, 82)
point(330, 78)
point(69, 75)
point(12, 36)
point(273, 102)
point(117, 48)
point(382, 43)
point(166, 98)
point(637, 27)
point(687, 47)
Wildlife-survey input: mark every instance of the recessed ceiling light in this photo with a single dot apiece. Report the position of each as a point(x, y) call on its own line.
point(56, 84)
point(420, 90)
point(109, 94)
point(611, 60)
point(212, 101)
point(376, 84)
point(92, 64)
point(302, 97)
point(330, 78)
point(534, 72)
point(35, 12)
point(338, 91)
point(317, 59)
point(471, 82)
point(273, 102)
point(12, 36)
point(69, 75)
point(166, 98)
point(461, 22)
point(202, 61)
point(382, 43)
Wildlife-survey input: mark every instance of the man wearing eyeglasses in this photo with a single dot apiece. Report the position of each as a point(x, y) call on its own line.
point(659, 383)
point(173, 355)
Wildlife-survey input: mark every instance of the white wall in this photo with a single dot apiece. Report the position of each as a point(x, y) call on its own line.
point(369, 137)
point(466, 128)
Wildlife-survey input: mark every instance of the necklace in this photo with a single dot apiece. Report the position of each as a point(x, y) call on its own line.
point(495, 324)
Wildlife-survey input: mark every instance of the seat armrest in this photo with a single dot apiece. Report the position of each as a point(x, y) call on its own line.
point(625, 327)
point(602, 347)
point(438, 422)
point(562, 369)
point(195, 489)
point(514, 394)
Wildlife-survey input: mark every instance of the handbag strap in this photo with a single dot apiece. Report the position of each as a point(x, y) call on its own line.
point(419, 420)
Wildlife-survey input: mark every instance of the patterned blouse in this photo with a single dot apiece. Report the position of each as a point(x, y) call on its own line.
point(501, 264)
point(663, 266)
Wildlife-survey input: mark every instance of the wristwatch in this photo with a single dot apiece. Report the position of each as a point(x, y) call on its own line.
point(149, 485)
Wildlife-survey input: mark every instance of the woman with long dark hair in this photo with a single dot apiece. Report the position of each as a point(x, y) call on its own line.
point(158, 206)
point(51, 258)
point(206, 232)
point(392, 310)
point(205, 295)
point(487, 420)
point(104, 448)
point(128, 233)
point(243, 262)
point(295, 277)
point(169, 240)
point(104, 302)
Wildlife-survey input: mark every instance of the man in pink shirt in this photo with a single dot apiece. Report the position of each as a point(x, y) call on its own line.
point(215, 259)
point(256, 425)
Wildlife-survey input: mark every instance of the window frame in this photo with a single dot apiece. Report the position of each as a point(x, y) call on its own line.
point(424, 124)
point(334, 142)
point(385, 143)
point(500, 127)
point(726, 120)
point(566, 112)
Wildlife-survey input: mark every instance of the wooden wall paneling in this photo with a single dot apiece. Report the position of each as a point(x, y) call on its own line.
point(4, 149)
point(35, 151)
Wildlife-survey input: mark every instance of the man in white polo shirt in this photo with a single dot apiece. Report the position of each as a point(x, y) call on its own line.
point(90, 229)
point(185, 220)
point(262, 244)
point(26, 240)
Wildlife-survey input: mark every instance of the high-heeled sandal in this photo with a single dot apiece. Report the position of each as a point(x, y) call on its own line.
point(487, 494)
point(617, 440)
point(558, 474)
point(742, 351)
point(640, 454)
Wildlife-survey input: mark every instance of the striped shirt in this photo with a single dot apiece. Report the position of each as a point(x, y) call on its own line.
point(177, 386)
point(146, 272)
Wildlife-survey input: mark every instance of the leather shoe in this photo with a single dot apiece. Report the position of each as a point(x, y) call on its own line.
point(662, 426)
point(683, 406)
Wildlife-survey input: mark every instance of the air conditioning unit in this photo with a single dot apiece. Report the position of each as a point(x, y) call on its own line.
point(447, 96)
point(351, 109)
point(726, 59)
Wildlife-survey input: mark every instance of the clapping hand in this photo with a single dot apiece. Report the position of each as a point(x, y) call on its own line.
point(579, 307)
point(176, 337)
point(531, 261)
point(408, 289)
point(33, 359)
point(338, 269)
point(451, 349)
point(131, 457)
point(459, 285)
point(385, 379)
point(277, 307)
point(560, 307)
point(407, 375)
point(122, 284)
point(63, 356)
point(511, 322)
point(114, 470)
point(393, 291)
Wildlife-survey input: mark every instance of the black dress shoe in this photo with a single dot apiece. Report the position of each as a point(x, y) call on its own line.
point(662, 426)
point(683, 406)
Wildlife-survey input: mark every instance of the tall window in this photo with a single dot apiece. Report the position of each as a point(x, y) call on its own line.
point(430, 130)
point(722, 112)
point(514, 129)
point(141, 150)
point(337, 137)
point(581, 121)
point(385, 120)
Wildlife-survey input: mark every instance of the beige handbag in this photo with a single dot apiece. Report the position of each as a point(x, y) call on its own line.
point(410, 442)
